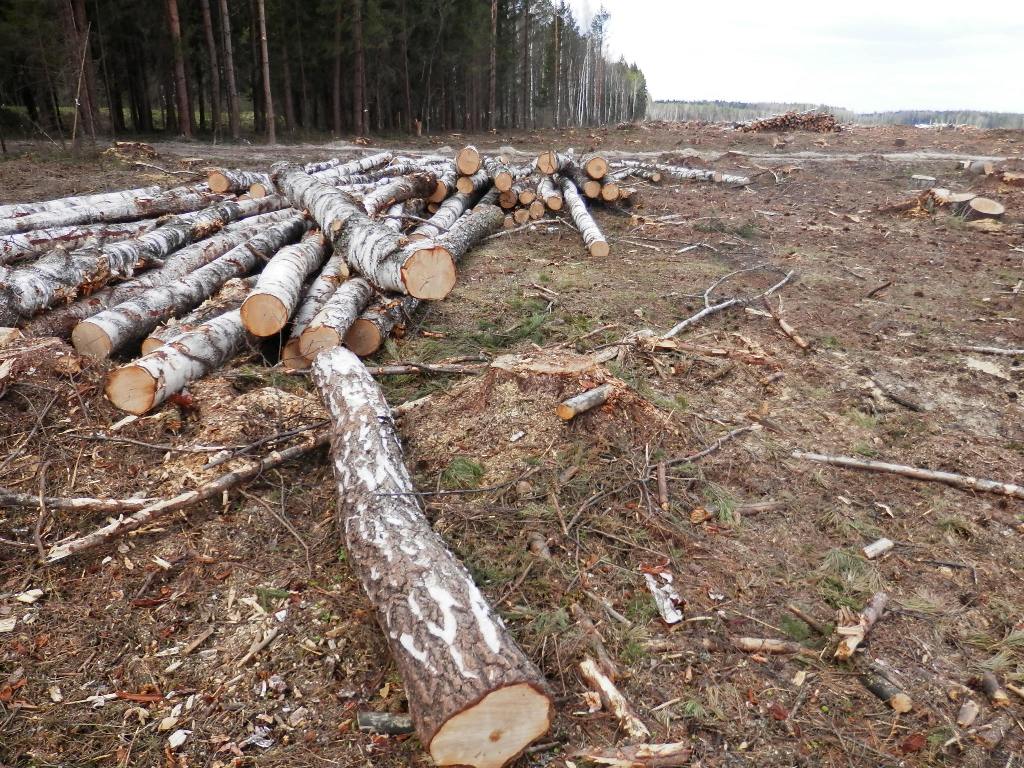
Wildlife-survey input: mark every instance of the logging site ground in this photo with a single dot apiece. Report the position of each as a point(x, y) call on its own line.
point(148, 635)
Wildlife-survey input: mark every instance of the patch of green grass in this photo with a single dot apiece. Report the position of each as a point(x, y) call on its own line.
point(462, 472)
point(633, 652)
point(267, 596)
point(722, 502)
point(865, 449)
point(861, 419)
point(794, 627)
point(845, 578)
point(956, 526)
point(693, 708)
point(830, 342)
point(641, 608)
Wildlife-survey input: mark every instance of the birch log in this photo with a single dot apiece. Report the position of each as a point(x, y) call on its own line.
point(327, 330)
point(400, 213)
point(467, 185)
point(62, 320)
point(595, 166)
point(176, 200)
point(468, 160)
point(237, 181)
point(501, 175)
point(592, 236)
point(335, 271)
point(550, 193)
point(589, 187)
point(446, 216)
point(60, 275)
point(643, 172)
point(475, 698)
point(39, 241)
point(371, 249)
point(447, 176)
point(17, 210)
point(228, 298)
point(148, 381)
point(554, 162)
point(403, 188)
point(371, 162)
point(116, 328)
point(692, 174)
point(279, 288)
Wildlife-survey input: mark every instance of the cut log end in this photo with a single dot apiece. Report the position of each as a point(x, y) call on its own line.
point(596, 167)
point(429, 272)
point(554, 203)
point(494, 730)
point(468, 161)
point(439, 194)
point(291, 358)
point(151, 344)
point(91, 340)
point(363, 338)
point(263, 314)
point(610, 192)
point(503, 181)
point(591, 188)
point(258, 190)
point(464, 184)
point(599, 249)
point(132, 389)
point(521, 215)
point(536, 209)
point(315, 340)
point(218, 182)
point(547, 163)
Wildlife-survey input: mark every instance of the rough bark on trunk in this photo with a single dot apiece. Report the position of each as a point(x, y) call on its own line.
point(403, 188)
point(39, 241)
point(228, 298)
point(371, 249)
point(175, 200)
point(399, 214)
point(550, 193)
point(475, 697)
point(321, 289)
point(447, 214)
point(61, 321)
point(113, 329)
point(180, 85)
point(493, 70)
point(225, 180)
point(211, 52)
point(234, 115)
point(279, 288)
point(17, 210)
point(339, 173)
point(328, 328)
point(359, 75)
point(592, 236)
point(268, 98)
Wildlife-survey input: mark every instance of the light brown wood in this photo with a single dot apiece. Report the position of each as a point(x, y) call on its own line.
point(468, 160)
point(595, 166)
point(583, 402)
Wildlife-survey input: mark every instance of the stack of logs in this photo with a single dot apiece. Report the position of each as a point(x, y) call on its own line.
point(329, 258)
point(816, 122)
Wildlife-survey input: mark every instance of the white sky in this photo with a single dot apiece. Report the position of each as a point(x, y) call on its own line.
point(866, 55)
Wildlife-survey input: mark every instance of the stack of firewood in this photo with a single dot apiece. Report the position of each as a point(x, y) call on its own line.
point(816, 122)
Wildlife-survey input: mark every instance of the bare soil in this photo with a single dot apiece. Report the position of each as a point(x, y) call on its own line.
point(95, 673)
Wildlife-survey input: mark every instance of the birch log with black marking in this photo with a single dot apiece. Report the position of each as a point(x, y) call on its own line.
point(475, 698)
point(334, 273)
point(363, 165)
point(328, 328)
point(403, 188)
point(39, 241)
point(554, 162)
point(176, 200)
point(550, 193)
point(400, 214)
point(228, 298)
point(279, 288)
point(62, 320)
point(467, 185)
point(17, 210)
point(642, 172)
point(592, 236)
point(116, 328)
point(371, 249)
point(589, 187)
point(688, 174)
point(237, 181)
point(61, 275)
point(468, 160)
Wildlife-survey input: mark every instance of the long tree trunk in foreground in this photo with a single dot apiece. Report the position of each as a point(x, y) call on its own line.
point(268, 98)
point(335, 272)
point(234, 112)
point(328, 328)
point(371, 249)
point(17, 210)
point(62, 320)
point(475, 698)
point(228, 298)
point(180, 86)
point(211, 53)
point(115, 328)
point(40, 241)
point(403, 188)
point(592, 236)
point(59, 276)
point(277, 293)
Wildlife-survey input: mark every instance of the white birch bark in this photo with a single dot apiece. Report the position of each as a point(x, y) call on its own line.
point(592, 236)
point(549, 193)
point(691, 174)
point(335, 271)
point(398, 190)
point(475, 698)
point(17, 210)
point(447, 176)
point(555, 162)
point(480, 180)
point(267, 308)
point(501, 175)
point(115, 328)
point(446, 216)
point(335, 174)
point(228, 298)
point(227, 180)
point(328, 328)
point(39, 241)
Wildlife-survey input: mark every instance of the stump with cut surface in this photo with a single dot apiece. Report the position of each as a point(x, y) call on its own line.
point(475, 698)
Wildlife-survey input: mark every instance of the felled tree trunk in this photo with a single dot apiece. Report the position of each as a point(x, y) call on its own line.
point(554, 162)
point(693, 174)
point(595, 166)
point(336, 173)
point(371, 249)
point(14, 247)
point(17, 210)
point(589, 187)
point(592, 236)
point(475, 697)
point(400, 213)
point(446, 216)
point(228, 298)
point(550, 193)
point(328, 328)
point(279, 288)
point(468, 160)
point(447, 176)
point(62, 320)
point(176, 200)
point(225, 180)
point(403, 188)
point(114, 329)
point(500, 173)
point(148, 381)
point(60, 275)
point(645, 173)
point(321, 289)
point(467, 185)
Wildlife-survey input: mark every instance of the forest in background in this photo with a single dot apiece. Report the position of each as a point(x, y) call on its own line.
point(220, 68)
point(735, 111)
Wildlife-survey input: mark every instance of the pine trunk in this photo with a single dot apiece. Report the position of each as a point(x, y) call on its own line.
point(114, 329)
point(211, 52)
point(592, 236)
point(268, 98)
point(234, 113)
point(327, 330)
point(336, 85)
point(492, 104)
point(277, 293)
point(227, 299)
point(475, 697)
point(180, 85)
point(359, 76)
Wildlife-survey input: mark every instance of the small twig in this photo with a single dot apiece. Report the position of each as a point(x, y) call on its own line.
point(879, 289)
point(37, 532)
point(710, 309)
point(193, 174)
point(259, 645)
point(715, 445)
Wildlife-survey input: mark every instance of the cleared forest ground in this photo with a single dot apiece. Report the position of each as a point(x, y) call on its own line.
point(92, 671)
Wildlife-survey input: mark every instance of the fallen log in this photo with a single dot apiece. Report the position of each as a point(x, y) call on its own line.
point(501, 175)
point(447, 176)
point(18, 210)
point(550, 193)
point(384, 722)
point(171, 201)
point(36, 242)
point(266, 310)
point(888, 692)
point(595, 166)
point(334, 273)
point(964, 482)
point(371, 249)
point(113, 329)
point(215, 489)
point(444, 219)
point(609, 190)
point(12, 499)
point(554, 162)
point(646, 173)
point(237, 181)
point(474, 696)
point(328, 328)
point(585, 401)
point(337, 173)
point(468, 160)
point(589, 187)
point(467, 185)
point(228, 298)
point(592, 236)
point(403, 188)
point(400, 213)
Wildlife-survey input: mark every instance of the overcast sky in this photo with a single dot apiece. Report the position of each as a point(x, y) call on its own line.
point(866, 55)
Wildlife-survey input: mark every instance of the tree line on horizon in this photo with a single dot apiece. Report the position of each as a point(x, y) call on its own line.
point(225, 68)
point(739, 111)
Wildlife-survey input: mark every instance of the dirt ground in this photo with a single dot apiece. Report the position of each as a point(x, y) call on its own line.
point(145, 638)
